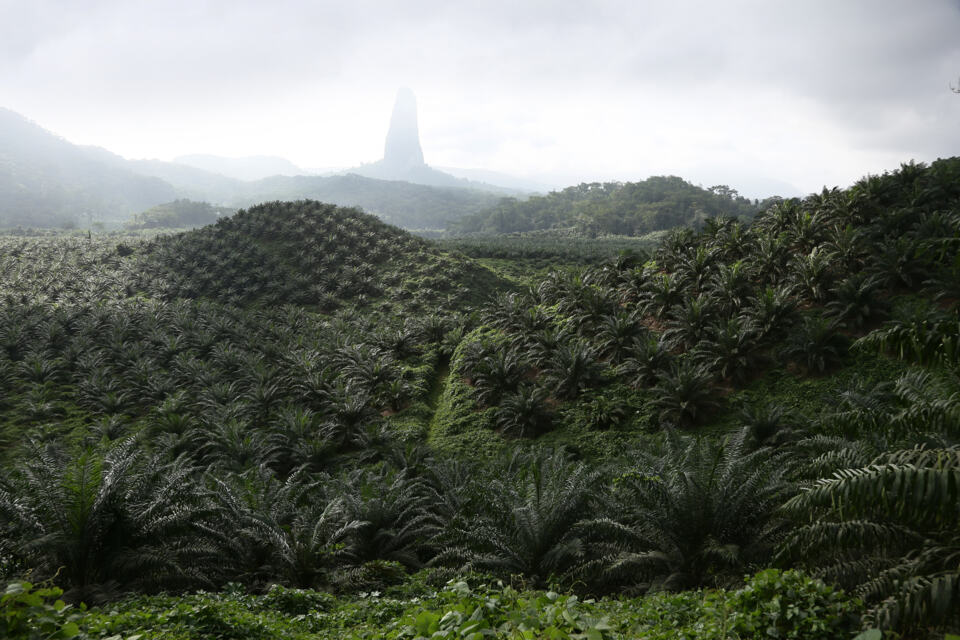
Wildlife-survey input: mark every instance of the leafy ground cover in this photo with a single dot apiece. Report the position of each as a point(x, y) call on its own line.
point(772, 604)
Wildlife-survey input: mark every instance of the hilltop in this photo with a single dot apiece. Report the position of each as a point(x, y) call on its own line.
point(312, 254)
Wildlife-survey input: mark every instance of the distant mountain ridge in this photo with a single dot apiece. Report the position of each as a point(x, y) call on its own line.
point(249, 168)
point(46, 181)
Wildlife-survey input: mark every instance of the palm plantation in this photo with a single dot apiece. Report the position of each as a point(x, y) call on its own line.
point(362, 411)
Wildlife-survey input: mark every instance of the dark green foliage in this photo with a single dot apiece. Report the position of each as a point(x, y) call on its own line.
point(535, 518)
point(311, 254)
point(36, 613)
point(100, 520)
point(684, 394)
point(857, 301)
point(730, 350)
point(340, 415)
point(890, 529)
point(523, 412)
point(571, 368)
point(289, 531)
point(816, 346)
point(769, 424)
point(928, 336)
point(702, 513)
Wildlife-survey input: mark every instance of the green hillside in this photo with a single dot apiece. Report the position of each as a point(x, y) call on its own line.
point(319, 420)
point(612, 208)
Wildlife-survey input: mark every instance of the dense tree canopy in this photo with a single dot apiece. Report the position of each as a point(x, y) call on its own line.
point(612, 208)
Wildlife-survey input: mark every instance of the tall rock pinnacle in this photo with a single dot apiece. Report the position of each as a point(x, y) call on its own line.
point(402, 149)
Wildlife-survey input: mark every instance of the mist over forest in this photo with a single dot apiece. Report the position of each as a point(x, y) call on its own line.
point(458, 320)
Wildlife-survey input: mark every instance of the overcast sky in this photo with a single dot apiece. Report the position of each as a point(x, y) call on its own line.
point(764, 96)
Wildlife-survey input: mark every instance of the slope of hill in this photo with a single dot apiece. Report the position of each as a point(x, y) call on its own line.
point(668, 340)
point(611, 208)
point(47, 181)
point(248, 168)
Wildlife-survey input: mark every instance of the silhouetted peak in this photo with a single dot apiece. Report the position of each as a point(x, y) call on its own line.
point(402, 148)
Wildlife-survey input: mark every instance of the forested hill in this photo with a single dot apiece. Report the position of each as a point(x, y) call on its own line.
point(614, 208)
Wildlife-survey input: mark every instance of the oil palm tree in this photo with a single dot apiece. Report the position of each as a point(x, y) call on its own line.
point(648, 358)
point(524, 412)
point(927, 337)
point(858, 301)
point(286, 531)
point(394, 510)
point(573, 367)
point(730, 349)
point(98, 520)
point(684, 394)
point(536, 517)
point(689, 322)
point(498, 374)
point(703, 512)
point(816, 345)
point(889, 530)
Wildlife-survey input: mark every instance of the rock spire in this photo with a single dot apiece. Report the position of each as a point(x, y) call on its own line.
point(402, 149)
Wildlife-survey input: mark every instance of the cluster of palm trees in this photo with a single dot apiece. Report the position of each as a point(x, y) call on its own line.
point(874, 513)
point(306, 253)
point(51, 270)
point(708, 311)
point(229, 387)
point(113, 517)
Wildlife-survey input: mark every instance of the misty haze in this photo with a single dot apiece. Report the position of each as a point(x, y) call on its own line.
point(604, 320)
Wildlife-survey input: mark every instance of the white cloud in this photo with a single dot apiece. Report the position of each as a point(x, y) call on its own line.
point(809, 93)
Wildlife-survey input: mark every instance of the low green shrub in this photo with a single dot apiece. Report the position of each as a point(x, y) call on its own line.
point(788, 604)
point(29, 612)
point(773, 604)
point(295, 602)
point(465, 613)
